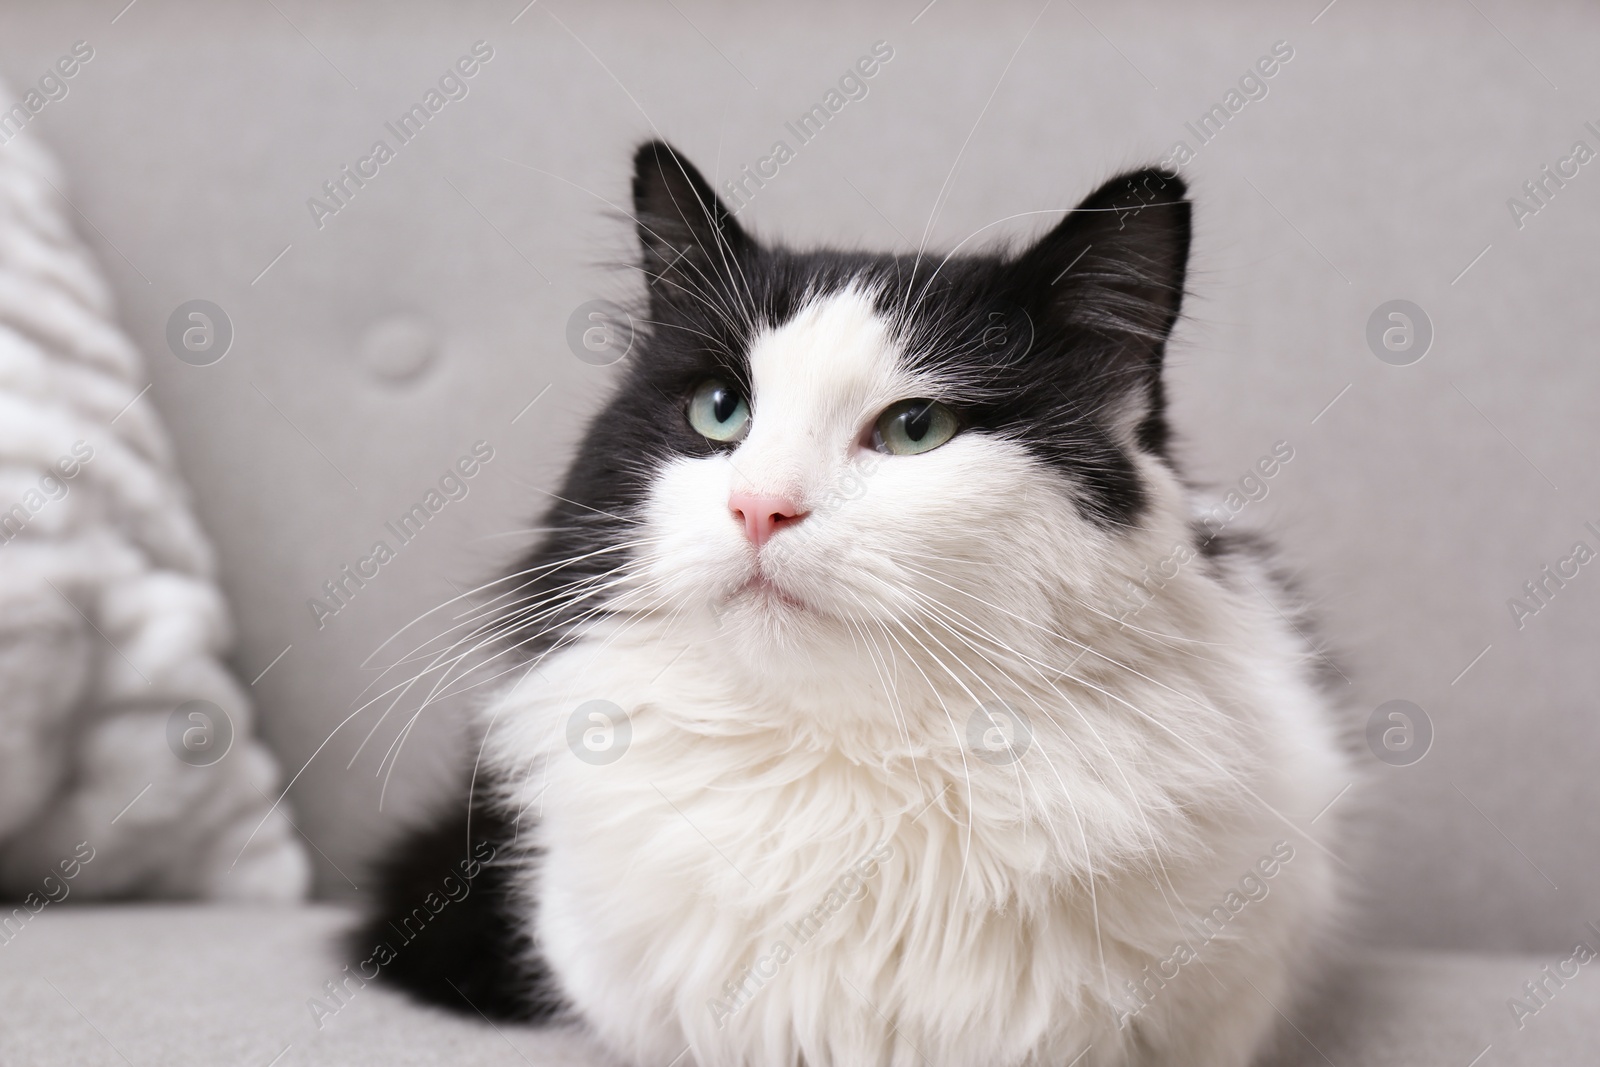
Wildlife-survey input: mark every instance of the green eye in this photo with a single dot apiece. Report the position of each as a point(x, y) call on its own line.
point(914, 426)
point(719, 411)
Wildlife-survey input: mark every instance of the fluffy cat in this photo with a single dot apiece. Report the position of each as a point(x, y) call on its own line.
point(838, 741)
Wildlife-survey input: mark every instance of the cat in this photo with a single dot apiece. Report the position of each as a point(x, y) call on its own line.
point(838, 743)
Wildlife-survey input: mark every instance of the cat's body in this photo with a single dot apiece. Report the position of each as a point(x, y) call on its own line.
point(886, 771)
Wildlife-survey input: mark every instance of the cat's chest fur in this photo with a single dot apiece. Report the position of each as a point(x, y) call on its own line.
point(731, 884)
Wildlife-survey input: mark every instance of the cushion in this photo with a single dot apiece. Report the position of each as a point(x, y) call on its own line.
point(127, 761)
point(251, 985)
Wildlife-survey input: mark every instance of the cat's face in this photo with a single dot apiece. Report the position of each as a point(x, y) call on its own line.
point(876, 447)
point(836, 497)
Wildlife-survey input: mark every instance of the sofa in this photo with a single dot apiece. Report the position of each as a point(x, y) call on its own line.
point(1418, 161)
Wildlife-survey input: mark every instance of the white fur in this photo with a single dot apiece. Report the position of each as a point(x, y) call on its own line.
point(774, 746)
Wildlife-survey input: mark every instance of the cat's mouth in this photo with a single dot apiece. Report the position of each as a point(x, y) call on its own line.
point(763, 589)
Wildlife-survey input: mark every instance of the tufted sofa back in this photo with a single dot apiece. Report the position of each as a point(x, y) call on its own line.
point(398, 316)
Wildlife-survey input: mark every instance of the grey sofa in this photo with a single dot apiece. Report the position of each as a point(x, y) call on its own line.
point(429, 308)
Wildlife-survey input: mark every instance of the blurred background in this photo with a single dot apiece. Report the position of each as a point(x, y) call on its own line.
point(377, 339)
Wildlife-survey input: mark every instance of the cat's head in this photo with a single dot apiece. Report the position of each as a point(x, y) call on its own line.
point(822, 443)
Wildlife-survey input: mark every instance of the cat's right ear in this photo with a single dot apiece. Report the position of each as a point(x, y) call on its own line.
point(687, 235)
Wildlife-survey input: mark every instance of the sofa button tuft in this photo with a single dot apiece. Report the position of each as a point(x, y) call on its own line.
point(398, 348)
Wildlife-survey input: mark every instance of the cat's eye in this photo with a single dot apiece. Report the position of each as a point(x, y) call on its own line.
point(719, 411)
point(914, 426)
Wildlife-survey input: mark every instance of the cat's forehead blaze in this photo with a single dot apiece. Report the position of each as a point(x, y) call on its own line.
point(835, 357)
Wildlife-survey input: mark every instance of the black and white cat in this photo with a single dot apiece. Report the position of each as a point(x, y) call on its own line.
point(843, 746)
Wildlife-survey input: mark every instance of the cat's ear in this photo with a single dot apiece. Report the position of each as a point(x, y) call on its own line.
point(1114, 267)
point(687, 235)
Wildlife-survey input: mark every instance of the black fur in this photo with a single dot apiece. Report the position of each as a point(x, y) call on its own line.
point(1048, 347)
point(1056, 348)
point(463, 948)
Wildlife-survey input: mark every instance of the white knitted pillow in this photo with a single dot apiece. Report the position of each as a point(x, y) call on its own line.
point(123, 737)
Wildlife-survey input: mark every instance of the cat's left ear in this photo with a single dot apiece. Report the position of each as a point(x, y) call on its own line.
point(688, 236)
point(1114, 268)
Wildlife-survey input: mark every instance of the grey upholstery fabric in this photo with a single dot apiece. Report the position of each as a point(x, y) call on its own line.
point(201, 986)
point(432, 310)
point(427, 314)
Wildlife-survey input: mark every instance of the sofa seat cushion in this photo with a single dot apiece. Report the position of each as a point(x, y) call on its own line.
point(181, 985)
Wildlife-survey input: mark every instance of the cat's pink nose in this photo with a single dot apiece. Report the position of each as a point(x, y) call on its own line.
point(762, 515)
